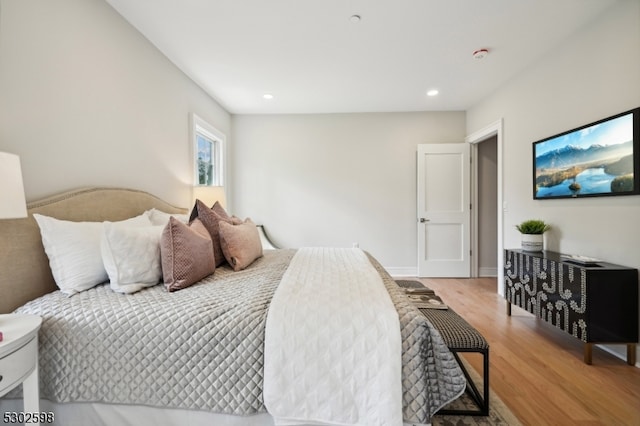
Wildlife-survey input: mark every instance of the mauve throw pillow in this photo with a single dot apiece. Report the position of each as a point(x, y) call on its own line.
point(217, 207)
point(211, 218)
point(187, 254)
point(240, 243)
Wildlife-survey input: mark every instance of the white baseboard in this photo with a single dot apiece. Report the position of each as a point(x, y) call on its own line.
point(614, 351)
point(402, 271)
point(485, 271)
point(412, 271)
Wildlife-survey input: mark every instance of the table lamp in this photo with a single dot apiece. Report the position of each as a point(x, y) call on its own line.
point(210, 194)
point(12, 201)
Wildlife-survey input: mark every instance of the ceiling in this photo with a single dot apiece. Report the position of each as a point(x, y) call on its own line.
point(313, 59)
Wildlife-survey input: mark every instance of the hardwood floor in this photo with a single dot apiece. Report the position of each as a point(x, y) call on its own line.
point(537, 370)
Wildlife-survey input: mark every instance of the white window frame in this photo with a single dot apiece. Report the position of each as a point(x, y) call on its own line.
point(200, 127)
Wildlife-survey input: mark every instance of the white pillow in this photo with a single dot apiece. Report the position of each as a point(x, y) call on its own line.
point(158, 217)
point(73, 249)
point(131, 256)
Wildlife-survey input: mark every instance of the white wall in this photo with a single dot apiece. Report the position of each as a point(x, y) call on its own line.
point(86, 100)
point(336, 179)
point(595, 74)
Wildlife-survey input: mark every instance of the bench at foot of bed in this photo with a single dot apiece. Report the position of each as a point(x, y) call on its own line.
point(459, 336)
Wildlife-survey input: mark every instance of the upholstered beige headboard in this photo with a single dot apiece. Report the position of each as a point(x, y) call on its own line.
point(24, 266)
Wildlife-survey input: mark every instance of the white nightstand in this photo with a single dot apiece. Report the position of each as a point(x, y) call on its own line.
point(19, 357)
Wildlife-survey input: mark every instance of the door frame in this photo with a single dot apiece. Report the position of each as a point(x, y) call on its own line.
point(493, 129)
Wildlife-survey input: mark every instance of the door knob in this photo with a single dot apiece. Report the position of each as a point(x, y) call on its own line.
point(423, 220)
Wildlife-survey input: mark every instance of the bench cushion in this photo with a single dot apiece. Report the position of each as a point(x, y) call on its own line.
point(455, 331)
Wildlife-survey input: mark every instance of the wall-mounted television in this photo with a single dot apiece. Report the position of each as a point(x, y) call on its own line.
point(598, 159)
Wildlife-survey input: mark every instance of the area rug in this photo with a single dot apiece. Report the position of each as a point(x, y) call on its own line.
point(499, 413)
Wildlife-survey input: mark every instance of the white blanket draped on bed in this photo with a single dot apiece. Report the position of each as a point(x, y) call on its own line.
point(347, 372)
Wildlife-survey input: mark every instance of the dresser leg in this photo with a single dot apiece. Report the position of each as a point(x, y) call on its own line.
point(631, 353)
point(588, 352)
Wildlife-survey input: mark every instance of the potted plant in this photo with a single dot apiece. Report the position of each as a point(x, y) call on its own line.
point(532, 231)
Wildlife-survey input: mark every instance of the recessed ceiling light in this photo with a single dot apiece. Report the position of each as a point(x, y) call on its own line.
point(267, 96)
point(432, 92)
point(355, 18)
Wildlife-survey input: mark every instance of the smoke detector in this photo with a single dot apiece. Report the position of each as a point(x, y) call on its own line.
point(480, 53)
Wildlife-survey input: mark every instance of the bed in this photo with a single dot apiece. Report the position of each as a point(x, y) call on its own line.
point(207, 354)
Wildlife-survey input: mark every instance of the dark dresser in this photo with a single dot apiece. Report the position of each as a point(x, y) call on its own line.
point(595, 302)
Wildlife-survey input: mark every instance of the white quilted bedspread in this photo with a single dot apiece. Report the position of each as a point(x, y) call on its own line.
point(347, 372)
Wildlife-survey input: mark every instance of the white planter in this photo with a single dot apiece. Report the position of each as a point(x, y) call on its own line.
point(532, 242)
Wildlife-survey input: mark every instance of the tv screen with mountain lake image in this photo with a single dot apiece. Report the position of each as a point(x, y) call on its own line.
point(598, 159)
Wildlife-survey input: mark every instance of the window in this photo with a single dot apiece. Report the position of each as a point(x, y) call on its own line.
point(208, 145)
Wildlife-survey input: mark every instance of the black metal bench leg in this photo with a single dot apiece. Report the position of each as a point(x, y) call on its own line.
point(481, 400)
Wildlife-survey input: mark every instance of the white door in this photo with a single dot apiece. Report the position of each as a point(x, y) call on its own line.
point(444, 210)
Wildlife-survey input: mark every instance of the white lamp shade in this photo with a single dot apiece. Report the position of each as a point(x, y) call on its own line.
point(210, 194)
point(12, 202)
